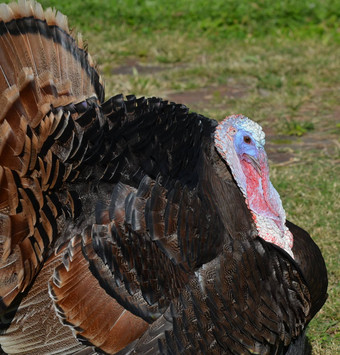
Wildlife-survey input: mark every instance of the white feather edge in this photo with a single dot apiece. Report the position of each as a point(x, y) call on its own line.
point(28, 8)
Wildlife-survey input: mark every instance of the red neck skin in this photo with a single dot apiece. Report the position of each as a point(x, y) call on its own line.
point(260, 199)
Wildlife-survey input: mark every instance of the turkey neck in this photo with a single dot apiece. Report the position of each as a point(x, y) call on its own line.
point(230, 205)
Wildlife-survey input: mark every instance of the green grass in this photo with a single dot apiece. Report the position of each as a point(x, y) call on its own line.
point(294, 128)
point(222, 18)
point(275, 61)
point(310, 192)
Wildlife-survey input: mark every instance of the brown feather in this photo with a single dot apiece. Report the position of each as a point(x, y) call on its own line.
point(85, 305)
point(36, 319)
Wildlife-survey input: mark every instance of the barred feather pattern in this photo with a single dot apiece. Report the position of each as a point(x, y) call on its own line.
point(41, 69)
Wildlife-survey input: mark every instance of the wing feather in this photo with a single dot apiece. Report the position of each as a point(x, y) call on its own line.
point(229, 306)
point(84, 305)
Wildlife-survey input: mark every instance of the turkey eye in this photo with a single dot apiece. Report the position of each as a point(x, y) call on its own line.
point(247, 139)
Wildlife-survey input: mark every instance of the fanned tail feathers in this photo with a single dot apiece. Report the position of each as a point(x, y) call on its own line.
point(42, 69)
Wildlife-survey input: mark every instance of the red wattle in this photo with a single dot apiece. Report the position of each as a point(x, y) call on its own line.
point(258, 190)
point(266, 187)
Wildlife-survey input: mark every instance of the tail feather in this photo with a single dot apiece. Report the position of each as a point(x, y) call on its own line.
point(45, 74)
point(37, 48)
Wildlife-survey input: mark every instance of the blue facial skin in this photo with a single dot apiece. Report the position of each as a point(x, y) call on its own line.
point(245, 144)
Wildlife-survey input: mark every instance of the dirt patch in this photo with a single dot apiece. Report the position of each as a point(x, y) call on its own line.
point(284, 150)
point(212, 95)
point(208, 95)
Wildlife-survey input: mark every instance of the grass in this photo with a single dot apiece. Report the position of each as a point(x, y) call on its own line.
point(222, 18)
point(276, 61)
point(295, 128)
point(314, 205)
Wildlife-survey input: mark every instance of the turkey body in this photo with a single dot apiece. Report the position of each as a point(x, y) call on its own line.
point(122, 228)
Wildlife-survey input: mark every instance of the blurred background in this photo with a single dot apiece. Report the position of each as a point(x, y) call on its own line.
point(277, 62)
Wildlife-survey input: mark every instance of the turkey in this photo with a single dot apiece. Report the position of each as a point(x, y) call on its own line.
point(134, 226)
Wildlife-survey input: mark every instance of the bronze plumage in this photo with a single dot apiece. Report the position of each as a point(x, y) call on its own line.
point(122, 230)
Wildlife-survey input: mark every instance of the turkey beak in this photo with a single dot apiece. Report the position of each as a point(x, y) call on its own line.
point(255, 163)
